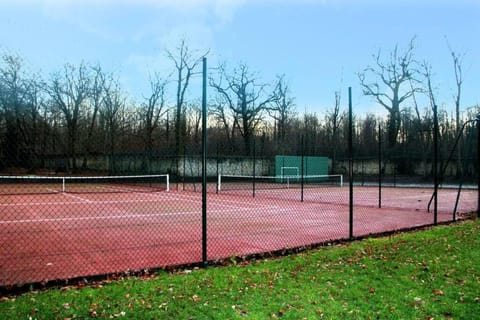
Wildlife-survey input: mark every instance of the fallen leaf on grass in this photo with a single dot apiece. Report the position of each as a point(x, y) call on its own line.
point(438, 292)
point(116, 315)
point(2, 299)
point(243, 313)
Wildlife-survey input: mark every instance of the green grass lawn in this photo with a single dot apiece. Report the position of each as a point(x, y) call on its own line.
point(432, 274)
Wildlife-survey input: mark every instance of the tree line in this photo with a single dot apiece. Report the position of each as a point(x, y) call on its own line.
point(82, 111)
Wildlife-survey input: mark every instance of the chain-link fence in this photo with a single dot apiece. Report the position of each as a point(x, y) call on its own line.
point(147, 212)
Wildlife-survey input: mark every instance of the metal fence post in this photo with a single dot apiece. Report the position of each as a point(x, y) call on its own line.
point(435, 164)
point(478, 165)
point(302, 174)
point(350, 164)
point(218, 167)
point(204, 164)
point(379, 165)
point(184, 174)
point(254, 165)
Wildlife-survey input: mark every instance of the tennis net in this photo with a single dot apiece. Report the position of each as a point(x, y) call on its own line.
point(245, 182)
point(11, 185)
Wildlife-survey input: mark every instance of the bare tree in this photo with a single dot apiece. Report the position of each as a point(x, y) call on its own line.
point(390, 84)
point(427, 73)
point(185, 64)
point(282, 109)
point(22, 97)
point(333, 121)
point(12, 96)
point(246, 99)
point(422, 124)
point(151, 112)
point(311, 130)
point(96, 99)
point(227, 121)
point(35, 108)
point(367, 128)
point(429, 90)
point(111, 112)
point(221, 116)
point(194, 118)
point(457, 60)
point(69, 91)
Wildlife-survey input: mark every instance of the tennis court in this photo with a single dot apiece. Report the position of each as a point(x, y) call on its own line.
point(69, 233)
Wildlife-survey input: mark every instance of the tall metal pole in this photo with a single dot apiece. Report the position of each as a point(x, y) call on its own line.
point(302, 173)
point(478, 165)
point(184, 175)
point(379, 165)
point(218, 167)
point(350, 165)
point(204, 164)
point(435, 164)
point(254, 165)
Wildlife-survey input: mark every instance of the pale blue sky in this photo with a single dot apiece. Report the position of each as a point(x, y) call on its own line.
point(320, 45)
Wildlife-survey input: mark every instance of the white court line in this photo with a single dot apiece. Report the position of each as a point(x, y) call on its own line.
point(223, 202)
point(131, 216)
point(190, 198)
point(152, 198)
point(63, 203)
point(126, 190)
point(416, 197)
point(77, 197)
point(226, 203)
point(128, 216)
point(218, 198)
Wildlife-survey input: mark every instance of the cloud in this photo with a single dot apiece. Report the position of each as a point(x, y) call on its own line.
point(198, 36)
point(223, 9)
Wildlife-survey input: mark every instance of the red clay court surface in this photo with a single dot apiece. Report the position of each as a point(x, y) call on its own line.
point(62, 236)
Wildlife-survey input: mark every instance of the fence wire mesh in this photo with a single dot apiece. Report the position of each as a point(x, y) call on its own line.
point(59, 226)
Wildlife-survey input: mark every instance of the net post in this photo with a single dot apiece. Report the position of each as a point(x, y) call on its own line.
point(63, 185)
point(168, 182)
point(341, 180)
point(219, 183)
